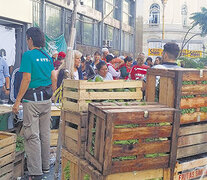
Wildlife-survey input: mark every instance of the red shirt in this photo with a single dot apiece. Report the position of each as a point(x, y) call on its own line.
point(138, 72)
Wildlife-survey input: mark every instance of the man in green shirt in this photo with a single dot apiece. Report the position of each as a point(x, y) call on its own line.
point(38, 84)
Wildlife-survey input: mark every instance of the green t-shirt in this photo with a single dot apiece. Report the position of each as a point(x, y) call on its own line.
point(39, 66)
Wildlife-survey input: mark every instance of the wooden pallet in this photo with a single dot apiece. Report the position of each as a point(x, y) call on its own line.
point(19, 164)
point(74, 132)
point(192, 140)
point(128, 138)
point(80, 168)
point(174, 93)
point(191, 168)
point(7, 155)
point(77, 94)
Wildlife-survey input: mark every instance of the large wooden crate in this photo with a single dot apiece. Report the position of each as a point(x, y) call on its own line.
point(7, 155)
point(19, 164)
point(74, 132)
point(192, 140)
point(125, 138)
point(184, 89)
point(77, 94)
point(53, 137)
point(80, 169)
point(191, 168)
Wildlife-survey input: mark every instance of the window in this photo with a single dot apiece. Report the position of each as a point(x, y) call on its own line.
point(184, 12)
point(126, 42)
point(116, 39)
point(87, 31)
point(154, 18)
point(89, 3)
point(109, 7)
point(126, 10)
point(53, 20)
point(79, 30)
point(36, 6)
point(96, 34)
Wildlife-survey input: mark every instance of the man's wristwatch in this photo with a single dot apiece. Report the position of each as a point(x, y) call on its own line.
point(7, 89)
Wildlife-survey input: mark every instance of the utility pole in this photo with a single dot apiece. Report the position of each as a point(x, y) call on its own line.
point(70, 67)
point(163, 18)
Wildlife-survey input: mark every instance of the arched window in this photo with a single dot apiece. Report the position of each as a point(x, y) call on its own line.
point(184, 12)
point(154, 18)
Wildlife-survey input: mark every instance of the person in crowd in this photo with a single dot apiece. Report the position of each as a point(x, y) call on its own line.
point(4, 79)
point(54, 55)
point(97, 59)
point(76, 72)
point(87, 70)
point(139, 71)
point(158, 60)
point(139, 55)
point(105, 52)
point(36, 89)
point(103, 72)
point(88, 58)
point(117, 63)
point(126, 67)
point(60, 59)
point(170, 53)
point(115, 73)
point(149, 62)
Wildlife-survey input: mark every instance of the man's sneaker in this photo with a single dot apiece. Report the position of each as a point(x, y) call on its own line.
point(45, 171)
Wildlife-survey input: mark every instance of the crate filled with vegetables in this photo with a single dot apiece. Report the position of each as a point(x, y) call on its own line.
point(184, 89)
point(77, 94)
point(130, 137)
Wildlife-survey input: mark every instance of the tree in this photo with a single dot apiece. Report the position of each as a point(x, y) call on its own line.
point(199, 18)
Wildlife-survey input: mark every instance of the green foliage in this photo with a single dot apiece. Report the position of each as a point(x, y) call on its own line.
point(203, 109)
point(199, 18)
point(126, 142)
point(189, 82)
point(188, 96)
point(124, 158)
point(197, 63)
point(185, 111)
point(86, 177)
point(20, 144)
point(67, 171)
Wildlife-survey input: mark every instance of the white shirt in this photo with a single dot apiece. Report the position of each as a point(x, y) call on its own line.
point(76, 76)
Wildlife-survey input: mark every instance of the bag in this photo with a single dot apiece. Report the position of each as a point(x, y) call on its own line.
point(39, 94)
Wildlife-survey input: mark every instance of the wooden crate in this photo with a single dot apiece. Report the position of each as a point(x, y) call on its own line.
point(80, 168)
point(19, 164)
point(127, 138)
point(77, 94)
point(192, 140)
point(74, 132)
point(53, 137)
point(175, 91)
point(7, 155)
point(191, 168)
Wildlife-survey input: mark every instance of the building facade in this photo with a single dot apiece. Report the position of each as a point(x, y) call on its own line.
point(99, 23)
point(176, 20)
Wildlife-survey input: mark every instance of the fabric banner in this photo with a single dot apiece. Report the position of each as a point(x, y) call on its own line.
point(7, 44)
point(58, 44)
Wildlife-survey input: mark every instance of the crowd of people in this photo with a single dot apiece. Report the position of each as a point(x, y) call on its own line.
point(105, 65)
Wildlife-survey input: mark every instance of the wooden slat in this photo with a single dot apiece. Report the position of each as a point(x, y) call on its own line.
point(138, 117)
point(7, 140)
point(7, 150)
point(138, 175)
point(170, 92)
point(97, 138)
point(6, 169)
point(93, 161)
point(192, 75)
point(191, 164)
point(141, 132)
point(192, 139)
point(193, 117)
point(90, 134)
point(162, 72)
point(71, 133)
point(102, 141)
point(163, 96)
point(7, 159)
point(191, 150)
point(142, 148)
point(150, 88)
point(7, 176)
point(70, 144)
point(194, 89)
point(95, 111)
point(108, 144)
point(197, 102)
point(139, 164)
point(194, 129)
